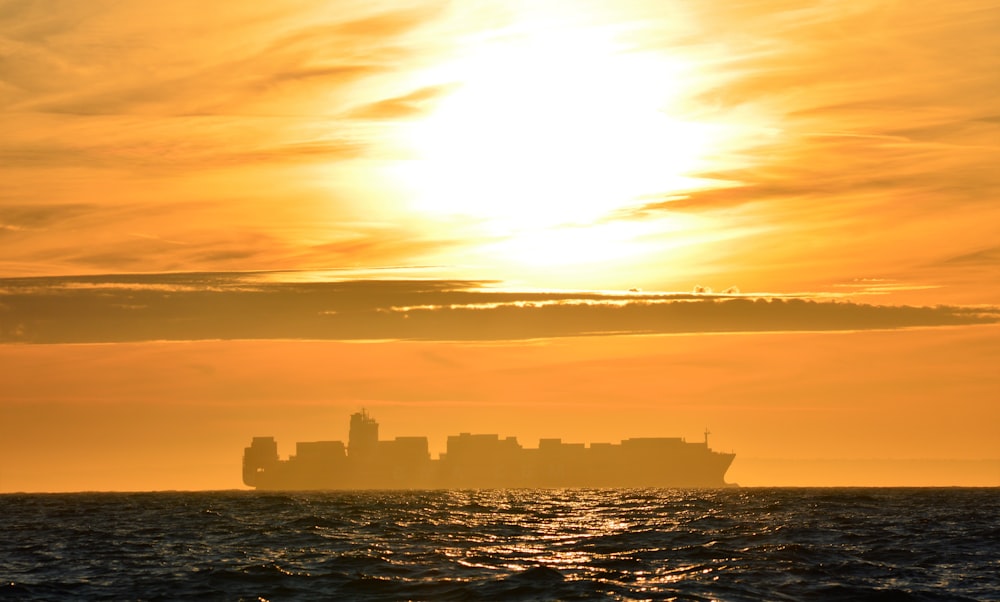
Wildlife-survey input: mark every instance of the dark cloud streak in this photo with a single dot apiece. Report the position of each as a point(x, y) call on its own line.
point(122, 308)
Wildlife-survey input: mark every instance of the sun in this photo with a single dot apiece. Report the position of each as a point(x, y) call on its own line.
point(549, 132)
point(553, 128)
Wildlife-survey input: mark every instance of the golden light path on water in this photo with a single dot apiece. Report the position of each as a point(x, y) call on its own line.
point(574, 531)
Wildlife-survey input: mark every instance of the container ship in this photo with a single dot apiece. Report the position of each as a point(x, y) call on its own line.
point(474, 461)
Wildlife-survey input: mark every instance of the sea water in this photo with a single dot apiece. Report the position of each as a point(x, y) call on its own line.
point(735, 544)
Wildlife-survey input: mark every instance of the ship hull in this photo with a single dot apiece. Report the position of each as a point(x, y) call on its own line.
point(482, 462)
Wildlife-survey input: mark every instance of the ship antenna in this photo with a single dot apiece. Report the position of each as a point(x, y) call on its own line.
point(707, 433)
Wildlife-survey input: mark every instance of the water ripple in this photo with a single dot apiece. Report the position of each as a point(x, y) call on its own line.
point(776, 544)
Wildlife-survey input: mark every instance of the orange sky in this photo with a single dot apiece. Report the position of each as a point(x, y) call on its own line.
point(308, 164)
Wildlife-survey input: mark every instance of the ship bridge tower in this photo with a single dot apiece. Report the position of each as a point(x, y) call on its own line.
point(363, 438)
point(258, 459)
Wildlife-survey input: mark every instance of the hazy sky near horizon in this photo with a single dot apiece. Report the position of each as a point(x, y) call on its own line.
point(487, 181)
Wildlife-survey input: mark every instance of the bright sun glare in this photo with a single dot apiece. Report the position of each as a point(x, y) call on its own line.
point(549, 131)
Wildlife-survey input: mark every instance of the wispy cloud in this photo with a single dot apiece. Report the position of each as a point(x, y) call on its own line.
point(96, 58)
point(168, 122)
point(876, 133)
point(34, 217)
point(406, 106)
point(865, 137)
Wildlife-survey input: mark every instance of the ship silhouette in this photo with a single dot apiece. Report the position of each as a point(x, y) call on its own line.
point(475, 461)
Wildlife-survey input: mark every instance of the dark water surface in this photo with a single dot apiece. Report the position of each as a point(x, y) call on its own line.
point(745, 544)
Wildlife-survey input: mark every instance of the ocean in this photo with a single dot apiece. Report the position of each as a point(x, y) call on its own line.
point(730, 544)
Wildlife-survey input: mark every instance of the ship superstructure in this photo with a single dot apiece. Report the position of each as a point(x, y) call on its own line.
point(481, 461)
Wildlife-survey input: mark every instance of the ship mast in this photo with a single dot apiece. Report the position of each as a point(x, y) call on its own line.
point(707, 433)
